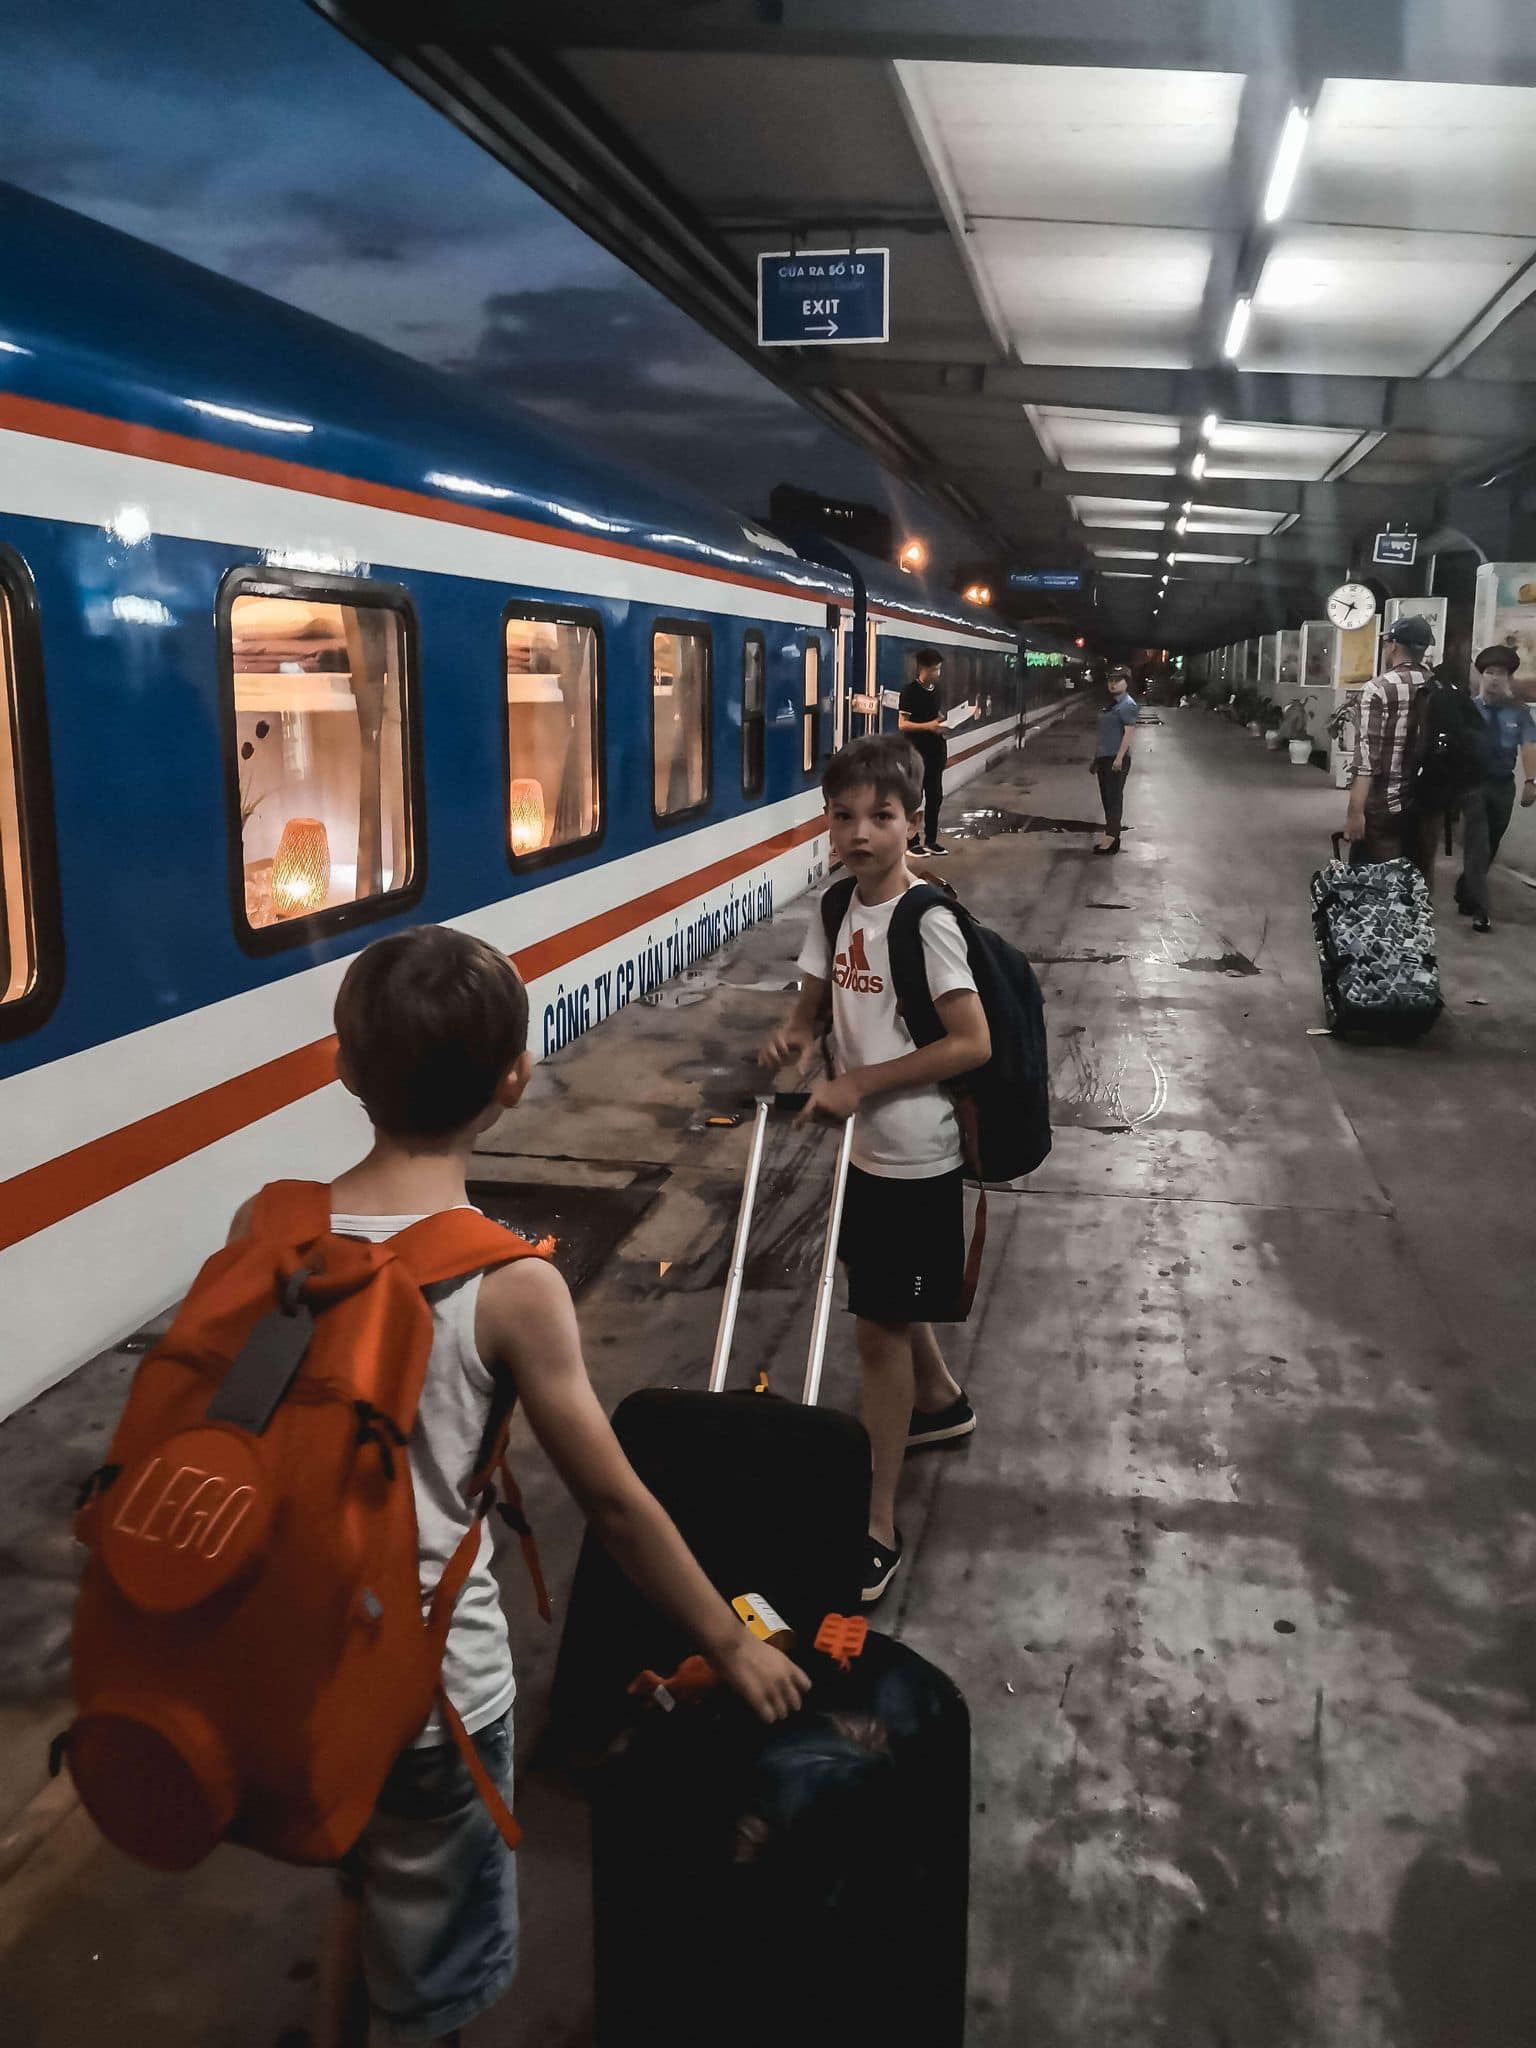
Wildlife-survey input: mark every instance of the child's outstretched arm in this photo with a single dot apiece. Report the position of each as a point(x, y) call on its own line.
point(795, 1039)
point(526, 1324)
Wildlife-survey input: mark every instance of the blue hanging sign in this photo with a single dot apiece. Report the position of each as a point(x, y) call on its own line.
point(823, 297)
point(1045, 579)
point(1396, 550)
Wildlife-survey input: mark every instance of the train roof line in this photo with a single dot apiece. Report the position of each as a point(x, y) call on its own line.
point(101, 327)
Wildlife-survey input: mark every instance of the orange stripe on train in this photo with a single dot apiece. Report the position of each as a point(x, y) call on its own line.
point(58, 1188)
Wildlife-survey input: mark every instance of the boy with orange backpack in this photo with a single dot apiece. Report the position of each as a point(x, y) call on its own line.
point(278, 1640)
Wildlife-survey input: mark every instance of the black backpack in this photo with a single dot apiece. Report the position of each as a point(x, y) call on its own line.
point(1010, 1133)
point(1450, 746)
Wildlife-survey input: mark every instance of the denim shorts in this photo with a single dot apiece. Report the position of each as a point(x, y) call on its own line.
point(437, 1892)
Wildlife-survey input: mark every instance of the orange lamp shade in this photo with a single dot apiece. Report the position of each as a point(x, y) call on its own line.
point(301, 868)
point(525, 810)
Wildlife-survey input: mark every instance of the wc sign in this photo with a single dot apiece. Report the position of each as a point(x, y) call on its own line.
point(822, 298)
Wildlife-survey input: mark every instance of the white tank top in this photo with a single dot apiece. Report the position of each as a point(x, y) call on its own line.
point(450, 1426)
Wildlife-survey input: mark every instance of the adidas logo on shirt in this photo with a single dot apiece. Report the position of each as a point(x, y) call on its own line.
point(850, 970)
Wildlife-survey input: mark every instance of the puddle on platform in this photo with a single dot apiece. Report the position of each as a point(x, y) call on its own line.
point(1091, 905)
point(1219, 963)
point(1077, 959)
point(993, 824)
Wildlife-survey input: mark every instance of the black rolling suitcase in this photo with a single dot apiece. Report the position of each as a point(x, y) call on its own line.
point(1375, 931)
point(752, 1884)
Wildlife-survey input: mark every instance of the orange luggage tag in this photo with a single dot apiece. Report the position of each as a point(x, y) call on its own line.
point(842, 1637)
point(690, 1681)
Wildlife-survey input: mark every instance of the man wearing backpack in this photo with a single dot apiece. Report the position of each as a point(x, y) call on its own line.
point(903, 1230)
point(1448, 749)
point(1509, 751)
point(415, 1325)
point(1379, 822)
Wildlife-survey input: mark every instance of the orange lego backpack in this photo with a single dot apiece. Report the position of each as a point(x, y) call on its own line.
point(250, 1649)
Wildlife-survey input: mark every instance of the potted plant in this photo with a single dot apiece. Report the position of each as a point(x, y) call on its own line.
point(1293, 732)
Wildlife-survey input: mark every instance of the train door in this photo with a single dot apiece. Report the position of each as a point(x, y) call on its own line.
point(843, 678)
point(858, 694)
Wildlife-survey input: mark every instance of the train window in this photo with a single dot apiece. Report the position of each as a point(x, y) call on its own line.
point(325, 757)
point(554, 731)
point(754, 698)
point(679, 719)
point(31, 952)
point(811, 701)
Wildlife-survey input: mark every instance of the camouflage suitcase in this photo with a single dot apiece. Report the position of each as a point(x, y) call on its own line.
point(1375, 928)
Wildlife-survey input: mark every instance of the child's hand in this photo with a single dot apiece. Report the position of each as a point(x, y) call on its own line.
point(771, 1686)
point(793, 1042)
point(831, 1102)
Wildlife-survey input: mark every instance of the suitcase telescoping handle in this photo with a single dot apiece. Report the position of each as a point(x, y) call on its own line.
point(822, 1314)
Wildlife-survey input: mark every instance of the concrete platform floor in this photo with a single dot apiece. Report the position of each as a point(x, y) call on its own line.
point(1238, 1570)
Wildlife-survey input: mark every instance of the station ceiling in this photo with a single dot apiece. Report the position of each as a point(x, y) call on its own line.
point(1075, 203)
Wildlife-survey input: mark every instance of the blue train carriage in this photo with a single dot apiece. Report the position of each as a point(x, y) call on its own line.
point(300, 642)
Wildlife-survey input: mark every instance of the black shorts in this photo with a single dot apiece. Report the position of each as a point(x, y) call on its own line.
point(903, 1244)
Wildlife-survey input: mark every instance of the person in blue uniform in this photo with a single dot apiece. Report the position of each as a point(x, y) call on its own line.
point(1112, 755)
point(1509, 750)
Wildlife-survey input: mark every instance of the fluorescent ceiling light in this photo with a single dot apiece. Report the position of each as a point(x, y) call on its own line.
point(1183, 526)
point(1293, 140)
point(1209, 425)
point(1197, 467)
point(242, 418)
point(13, 348)
point(1237, 328)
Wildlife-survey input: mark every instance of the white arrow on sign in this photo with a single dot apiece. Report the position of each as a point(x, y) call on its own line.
point(830, 328)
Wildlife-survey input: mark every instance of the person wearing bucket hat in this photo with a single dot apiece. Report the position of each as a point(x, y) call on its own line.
point(1376, 822)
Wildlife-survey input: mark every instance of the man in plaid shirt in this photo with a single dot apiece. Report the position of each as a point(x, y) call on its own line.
point(1376, 823)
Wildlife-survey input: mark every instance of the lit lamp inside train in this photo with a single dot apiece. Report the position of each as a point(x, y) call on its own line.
point(552, 734)
point(323, 773)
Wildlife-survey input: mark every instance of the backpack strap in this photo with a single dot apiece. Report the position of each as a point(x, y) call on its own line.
point(920, 1014)
point(456, 1242)
point(292, 1212)
point(834, 908)
point(439, 1620)
point(909, 970)
point(474, 1763)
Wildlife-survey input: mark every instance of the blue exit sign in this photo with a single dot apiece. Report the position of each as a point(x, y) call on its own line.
point(822, 298)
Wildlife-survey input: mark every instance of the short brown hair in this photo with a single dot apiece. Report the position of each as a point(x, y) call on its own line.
point(429, 1020)
point(885, 762)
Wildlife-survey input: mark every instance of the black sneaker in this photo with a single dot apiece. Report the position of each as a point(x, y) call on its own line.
point(935, 851)
point(880, 1569)
point(1482, 924)
point(944, 1426)
point(914, 846)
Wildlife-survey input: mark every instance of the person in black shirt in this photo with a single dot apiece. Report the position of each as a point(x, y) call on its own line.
point(920, 718)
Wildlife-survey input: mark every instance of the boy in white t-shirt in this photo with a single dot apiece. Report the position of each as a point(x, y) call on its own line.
point(903, 1233)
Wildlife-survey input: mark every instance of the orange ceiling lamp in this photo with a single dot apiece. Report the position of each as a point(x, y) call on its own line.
point(977, 593)
point(301, 868)
point(525, 811)
point(914, 555)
